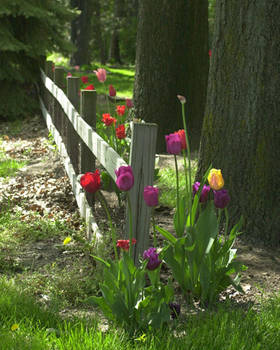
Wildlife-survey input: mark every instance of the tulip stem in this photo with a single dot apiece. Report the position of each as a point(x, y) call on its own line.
point(112, 228)
point(189, 161)
point(219, 216)
point(227, 221)
point(177, 185)
point(130, 224)
point(154, 229)
point(186, 172)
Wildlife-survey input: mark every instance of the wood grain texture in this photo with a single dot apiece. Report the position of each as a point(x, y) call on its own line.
point(142, 161)
point(79, 194)
point(106, 155)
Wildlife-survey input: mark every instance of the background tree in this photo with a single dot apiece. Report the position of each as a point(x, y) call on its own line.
point(115, 54)
point(241, 130)
point(28, 30)
point(81, 31)
point(171, 58)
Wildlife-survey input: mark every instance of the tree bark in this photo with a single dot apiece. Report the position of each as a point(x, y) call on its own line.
point(241, 133)
point(99, 41)
point(115, 54)
point(171, 58)
point(81, 31)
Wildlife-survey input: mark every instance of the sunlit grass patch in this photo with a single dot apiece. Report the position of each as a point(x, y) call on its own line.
point(9, 167)
point(227, 328)
point(167, 185)
point(19, 226)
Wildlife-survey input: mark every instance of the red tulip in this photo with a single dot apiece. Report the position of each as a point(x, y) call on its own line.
point(84, 79)
point(120, 110)
point(91, 181)
point(107, 119)
point(120, 132)
point(90, 87)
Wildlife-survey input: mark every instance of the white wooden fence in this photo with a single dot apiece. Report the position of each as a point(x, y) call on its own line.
point(73, 131)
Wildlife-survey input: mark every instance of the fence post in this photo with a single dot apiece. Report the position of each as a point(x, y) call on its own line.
point(88, 113)
point(58, 114)
point(49, 69)
point(72, 139)
point(142, 161)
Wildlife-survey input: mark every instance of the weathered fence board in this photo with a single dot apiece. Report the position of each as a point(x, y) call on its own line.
point(82, 142)
point(79, 194)
point(106, 155)
point(142, 161)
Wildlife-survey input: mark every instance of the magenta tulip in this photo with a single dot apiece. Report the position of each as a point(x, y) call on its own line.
point(173, 143)
point(151, 196)
point(125, 178)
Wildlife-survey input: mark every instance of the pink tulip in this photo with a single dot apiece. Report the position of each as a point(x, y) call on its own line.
point(77, 67)
point(101, 74)
point(112, 91)
point(69, 74)
point(129, 103)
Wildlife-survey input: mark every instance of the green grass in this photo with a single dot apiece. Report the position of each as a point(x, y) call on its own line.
point(122, 78)
point(166, 183)
point(17, 227)
point(228, 328)
point(9, 167)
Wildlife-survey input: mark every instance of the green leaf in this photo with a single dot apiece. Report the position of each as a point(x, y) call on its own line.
point(101, 260)
point(180, 217)
point(207, 229)
point(99, 301)
point(166, 234)
point(192, 215)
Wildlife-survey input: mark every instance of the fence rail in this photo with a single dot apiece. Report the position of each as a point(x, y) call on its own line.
point(77, 142)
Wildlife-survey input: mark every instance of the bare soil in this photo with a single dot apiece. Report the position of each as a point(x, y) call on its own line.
point(43, 187)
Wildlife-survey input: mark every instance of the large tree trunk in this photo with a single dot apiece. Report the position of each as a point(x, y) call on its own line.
point(241, 133)
point(171, 58)
point(81, 31)
point(99, 41)
point(115, 54)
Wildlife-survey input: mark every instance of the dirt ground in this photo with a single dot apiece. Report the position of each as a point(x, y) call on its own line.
point(42, 186)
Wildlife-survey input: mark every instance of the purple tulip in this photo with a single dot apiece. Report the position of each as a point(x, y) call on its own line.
point(204, 193)
point(151, 255)
point(173, 143)
point(151, 196)
point(125, 178)
point(221, 198)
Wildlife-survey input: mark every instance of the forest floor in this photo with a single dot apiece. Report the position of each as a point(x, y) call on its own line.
point(42, 187)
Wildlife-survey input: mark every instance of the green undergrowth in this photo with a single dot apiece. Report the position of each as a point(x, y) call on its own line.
point(9, 166)
point(122, 77)
point(22, 226)
point(166, 182)
point(25, 324)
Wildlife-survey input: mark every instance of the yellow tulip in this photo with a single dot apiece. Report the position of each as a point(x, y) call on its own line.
point(215, 179)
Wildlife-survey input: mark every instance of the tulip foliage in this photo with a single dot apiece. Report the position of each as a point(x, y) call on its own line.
point(201, 258)
point(126, 298)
